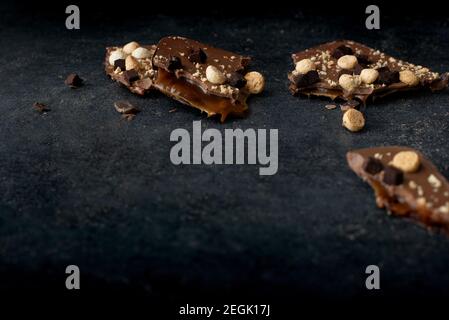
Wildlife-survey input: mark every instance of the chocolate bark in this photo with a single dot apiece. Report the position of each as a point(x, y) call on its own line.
point(325, 58)
point(422, 195)
point(182, 65)
point(139, 80)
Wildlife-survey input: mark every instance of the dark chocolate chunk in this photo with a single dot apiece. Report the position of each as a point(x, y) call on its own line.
point(386, 76)
point(344, 71)
point(40, 107)
point(131, 75)
point(363, 60)
point(304, 80)
point(341, 51)
point(174, 63)
point(393, 176)
point(120, 63)
point(357, 69)
point(372, 165)
point(237, 80)
point(73, 80)
point(125, 107)
point(197, 56)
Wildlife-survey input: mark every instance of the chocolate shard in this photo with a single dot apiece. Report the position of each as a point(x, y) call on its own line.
point(125, 107)
point(372, 165)
point(40, 107)
point(422, 194)
point(73, 81)
point(189, 83)
point(325, 58)
point(393, 176)
point(146, 72)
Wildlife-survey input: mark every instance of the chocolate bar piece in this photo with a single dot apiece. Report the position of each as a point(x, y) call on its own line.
point(404, 182)
point(134, 69)
point(199, 75)
point(350, 70)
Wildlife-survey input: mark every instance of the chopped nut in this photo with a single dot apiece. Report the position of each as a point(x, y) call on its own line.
point(130, 47)
point(141, 53)
point(407, 161)
point(353, 120)
point(255, 82)
point(116, 55)
point(347, 62)
point(131, 63)
point(349, 82)
point(368, 76)
point(214, 75)
point(304, 66)
point(409, 78)
point(434, 181)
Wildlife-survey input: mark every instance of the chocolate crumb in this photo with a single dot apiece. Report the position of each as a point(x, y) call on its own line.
point(350, 104)
point(393, 176)
point(373, 165)
point(40, 107)
point(172, 110)
point(73, 81)
point(125, 107)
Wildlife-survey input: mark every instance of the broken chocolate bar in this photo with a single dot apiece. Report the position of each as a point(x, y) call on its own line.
point(133, 70)
point(319, 71)
point(201, 76)
point(404, 182)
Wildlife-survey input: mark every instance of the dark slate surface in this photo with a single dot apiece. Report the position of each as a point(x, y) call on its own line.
point(80, 186)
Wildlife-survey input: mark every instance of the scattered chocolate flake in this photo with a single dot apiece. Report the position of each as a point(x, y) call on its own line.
point(237, 80)
point(131, 75)
point(174, 63)
point(172, 110)
point(40, 107)
point(330, 106)
point(120, 63)
point(393, 176)
point(386, 76)
point(197, 56)
point(73, 81)
point(341, 51)
point(304, 80)
point(372, 165)
point(125, 107)
point(128, 117)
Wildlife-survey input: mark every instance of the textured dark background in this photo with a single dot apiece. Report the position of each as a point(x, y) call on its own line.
point(78, 185)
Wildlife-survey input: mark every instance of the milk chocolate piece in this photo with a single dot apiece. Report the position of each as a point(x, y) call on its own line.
point(187, 81)
point(422, 195)
point(325, 57)
point(146, 72)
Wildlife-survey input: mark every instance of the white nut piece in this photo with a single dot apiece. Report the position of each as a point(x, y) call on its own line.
point(353, 120)
point(130, 47)
point(407, 161)
point(408, 77)
point(255, 82)
point(214, 75)
point(141, 53)
point(349, 82)
point(368, 76)
point(116, 55)
point(131, 63)
point(347, 62)
point(304, 66)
